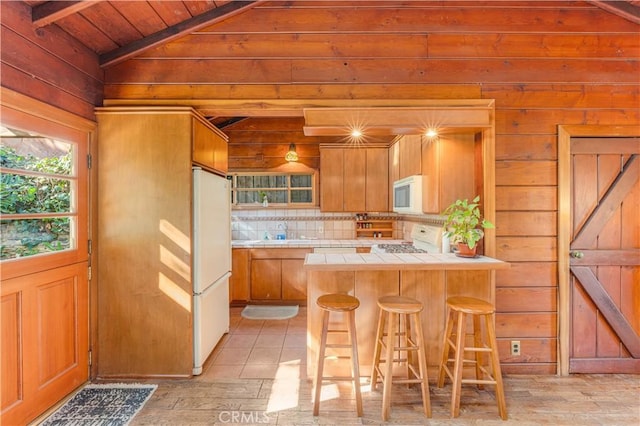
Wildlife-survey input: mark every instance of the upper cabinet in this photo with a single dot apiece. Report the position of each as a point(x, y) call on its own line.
point(331, 180)
point(409, 147)
point(209, 146)
point(354, 179)
point(448, 167)
point(446, 162)
point(377, 180)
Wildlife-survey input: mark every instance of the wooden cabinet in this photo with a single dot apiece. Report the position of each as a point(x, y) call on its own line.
point(266, 279)
point(331, 180)
point(409, 156)
point(239, 281)
point(354, 179)
point(209, 147)
point(377, 180)
point(278, 275)
point(294, 279)
point(448, 165)
point(145, 239)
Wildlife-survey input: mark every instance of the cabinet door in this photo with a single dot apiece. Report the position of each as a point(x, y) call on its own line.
point(239, 281)
point(355, 169)
point(457, 152)
point(331, 180)
point(294, 280)
point(266, 279)
point(209, 147)
point(431, 180)
point(410, 156)
point(377, 181)
point(202, 145)
point(220, 153)
point(449, 172)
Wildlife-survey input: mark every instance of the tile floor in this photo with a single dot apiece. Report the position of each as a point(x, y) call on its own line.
point(257, 375)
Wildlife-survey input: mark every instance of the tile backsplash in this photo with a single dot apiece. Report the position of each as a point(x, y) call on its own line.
point(297, 224)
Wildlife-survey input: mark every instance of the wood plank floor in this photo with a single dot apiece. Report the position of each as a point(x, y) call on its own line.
point(257, 375)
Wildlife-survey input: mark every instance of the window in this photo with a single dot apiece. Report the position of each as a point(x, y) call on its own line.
point(295, 189)
point(37, 194)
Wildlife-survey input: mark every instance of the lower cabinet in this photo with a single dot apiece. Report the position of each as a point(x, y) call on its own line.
point(266, 279)
point(294, 279)
point(269, 275)
point(239, 281)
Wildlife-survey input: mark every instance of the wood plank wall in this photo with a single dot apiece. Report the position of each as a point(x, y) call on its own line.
point(48, 64)
point(545, 64)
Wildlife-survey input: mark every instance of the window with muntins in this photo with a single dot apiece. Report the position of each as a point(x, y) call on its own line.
point(282, 189)
point(37, 194)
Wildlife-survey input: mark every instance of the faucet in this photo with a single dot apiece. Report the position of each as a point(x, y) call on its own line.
point(283, 227)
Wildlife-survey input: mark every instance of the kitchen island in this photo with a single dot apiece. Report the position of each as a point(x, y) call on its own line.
point(429, 278)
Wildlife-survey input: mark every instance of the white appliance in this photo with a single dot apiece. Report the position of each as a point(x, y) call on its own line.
point(425, 239)
point(212, 263)
point(407, 195)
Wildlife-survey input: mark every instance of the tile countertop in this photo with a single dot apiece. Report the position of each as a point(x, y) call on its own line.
point(399, 261)
point(308, 243)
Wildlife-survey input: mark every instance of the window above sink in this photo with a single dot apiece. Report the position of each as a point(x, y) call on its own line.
point(279, 189)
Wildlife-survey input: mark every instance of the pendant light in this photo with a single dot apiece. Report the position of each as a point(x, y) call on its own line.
point(292, 155)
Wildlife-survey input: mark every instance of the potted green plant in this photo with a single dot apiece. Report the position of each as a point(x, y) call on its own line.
point(464, 225)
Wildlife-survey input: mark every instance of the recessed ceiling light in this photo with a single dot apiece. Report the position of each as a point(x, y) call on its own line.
point(431, 133)
point(356, 133)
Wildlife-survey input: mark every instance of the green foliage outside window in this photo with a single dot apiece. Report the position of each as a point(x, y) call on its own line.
point(32, 194)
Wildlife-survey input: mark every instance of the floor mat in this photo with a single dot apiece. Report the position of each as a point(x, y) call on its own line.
point(262, 312)
point(102, 404)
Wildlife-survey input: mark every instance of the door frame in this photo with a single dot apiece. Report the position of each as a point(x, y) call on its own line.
point(565, 133)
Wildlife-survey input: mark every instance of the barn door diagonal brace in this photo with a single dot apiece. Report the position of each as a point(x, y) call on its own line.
point(608, 205)
point(609, 310)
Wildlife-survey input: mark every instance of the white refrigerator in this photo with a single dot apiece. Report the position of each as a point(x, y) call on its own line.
point(212, 263)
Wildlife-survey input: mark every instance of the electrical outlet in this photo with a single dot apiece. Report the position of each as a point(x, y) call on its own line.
point(320, 229)
point(515, 347)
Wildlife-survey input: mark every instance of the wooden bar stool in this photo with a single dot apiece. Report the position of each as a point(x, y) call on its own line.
point(395, 309)
point(346, 304)
point(457, 310)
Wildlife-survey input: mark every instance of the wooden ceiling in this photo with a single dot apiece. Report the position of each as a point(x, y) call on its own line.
point(118, 30)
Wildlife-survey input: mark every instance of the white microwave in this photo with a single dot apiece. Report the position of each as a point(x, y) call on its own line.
point(407, 195)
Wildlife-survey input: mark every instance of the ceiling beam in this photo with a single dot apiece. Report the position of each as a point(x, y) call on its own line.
point(292, 107)
point(180, 29)
point(395, 120)
point(623, 9)
point(51, 11)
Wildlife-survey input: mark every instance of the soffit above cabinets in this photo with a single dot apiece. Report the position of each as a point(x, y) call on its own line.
point(458, 115)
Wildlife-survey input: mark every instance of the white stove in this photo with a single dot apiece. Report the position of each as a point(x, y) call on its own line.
point(426, 239)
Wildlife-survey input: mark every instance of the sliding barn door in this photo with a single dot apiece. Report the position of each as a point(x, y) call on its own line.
point(604, 256)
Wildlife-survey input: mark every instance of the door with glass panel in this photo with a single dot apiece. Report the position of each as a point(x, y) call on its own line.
point(44, 258)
